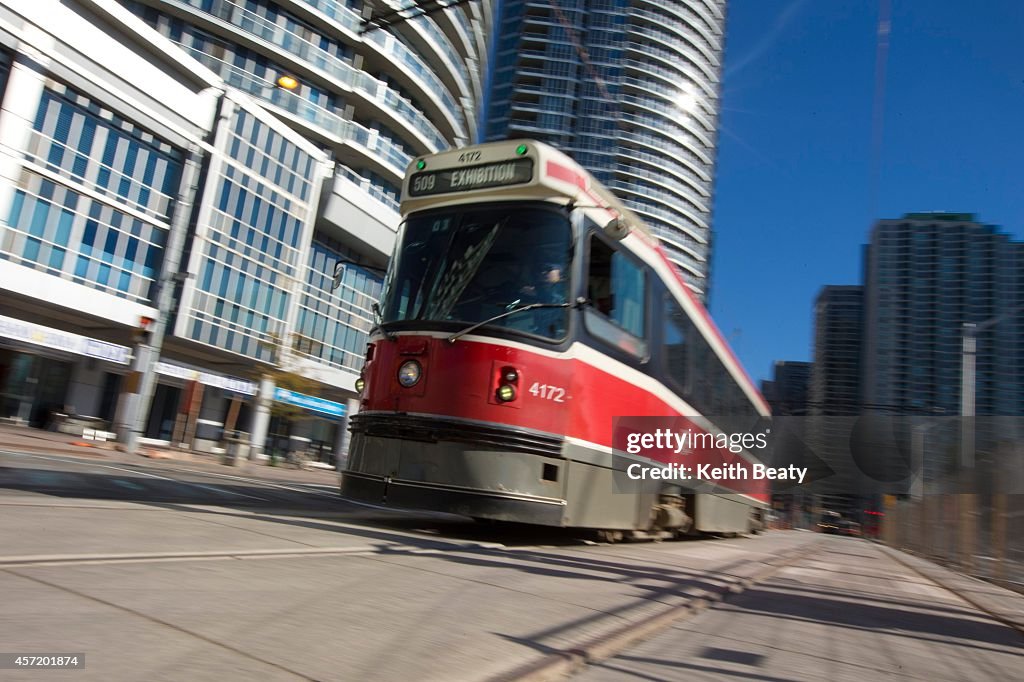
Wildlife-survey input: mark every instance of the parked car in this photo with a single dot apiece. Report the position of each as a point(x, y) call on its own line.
point(830, 522)
point(850, 528)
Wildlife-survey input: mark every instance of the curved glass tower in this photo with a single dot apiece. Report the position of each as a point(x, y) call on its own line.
point(374, 99)
point(630, 89)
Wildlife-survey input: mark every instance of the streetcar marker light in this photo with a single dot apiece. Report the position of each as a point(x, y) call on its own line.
point(421, 164)
point(522, 149)
point(510, 375)
point(506, 393)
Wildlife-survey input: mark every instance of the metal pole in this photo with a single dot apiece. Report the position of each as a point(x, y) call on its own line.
point(261, 416)
point(967, 381)
point(917, 462)
point(966, 520)
point(165, 301)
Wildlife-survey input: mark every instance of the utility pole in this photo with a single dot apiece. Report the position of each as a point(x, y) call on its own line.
point(967, 387)
point(147, 352)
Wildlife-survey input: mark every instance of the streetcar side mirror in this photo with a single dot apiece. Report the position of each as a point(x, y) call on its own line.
point(616, 229)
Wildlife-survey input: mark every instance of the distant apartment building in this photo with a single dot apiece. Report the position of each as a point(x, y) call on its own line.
point(926, 275)
point(834, 391)
point(200, 194)
point(788, 390)
point(630, 89)
point(838, 338)
point(894, 346)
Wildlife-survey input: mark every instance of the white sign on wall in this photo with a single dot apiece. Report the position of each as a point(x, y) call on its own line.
point(217, 380)
point(47, 337)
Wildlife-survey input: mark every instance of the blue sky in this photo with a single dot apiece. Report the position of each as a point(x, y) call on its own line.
point(799, 179)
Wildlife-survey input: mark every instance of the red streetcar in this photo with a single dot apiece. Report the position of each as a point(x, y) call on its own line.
point(524, 309)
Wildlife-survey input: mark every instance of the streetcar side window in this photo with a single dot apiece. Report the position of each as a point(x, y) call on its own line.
point(677, 328)
point(617, 291)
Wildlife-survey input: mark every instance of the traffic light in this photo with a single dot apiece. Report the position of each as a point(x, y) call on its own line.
point(144, 330)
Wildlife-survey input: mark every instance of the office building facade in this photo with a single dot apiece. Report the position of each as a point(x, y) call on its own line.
point(630, 89)
point(183, 237)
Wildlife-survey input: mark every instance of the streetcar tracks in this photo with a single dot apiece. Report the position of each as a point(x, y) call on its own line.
point(390, 548)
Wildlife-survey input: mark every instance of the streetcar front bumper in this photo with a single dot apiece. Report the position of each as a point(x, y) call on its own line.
point(477, 470)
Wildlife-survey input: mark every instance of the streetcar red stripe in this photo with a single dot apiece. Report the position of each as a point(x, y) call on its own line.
point(565, 174)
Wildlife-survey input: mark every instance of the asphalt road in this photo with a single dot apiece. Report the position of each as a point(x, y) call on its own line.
point(88, 481)
point(174, 571)
point(44, 477)
point(193, 571)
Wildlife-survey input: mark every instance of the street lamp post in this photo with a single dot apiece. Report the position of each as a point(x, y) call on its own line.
point(967, 386)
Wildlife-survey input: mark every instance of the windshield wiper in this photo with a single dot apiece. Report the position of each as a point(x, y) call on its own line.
point(513, 311)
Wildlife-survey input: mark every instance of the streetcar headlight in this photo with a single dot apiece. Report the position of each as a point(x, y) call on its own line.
point(409, 373)
point(506, 393)
point(360, 385)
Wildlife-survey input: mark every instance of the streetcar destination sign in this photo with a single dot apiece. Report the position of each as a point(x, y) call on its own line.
point(515, 172)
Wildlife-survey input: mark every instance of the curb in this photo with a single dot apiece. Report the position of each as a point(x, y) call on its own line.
point(71, 450)
point(562, 664)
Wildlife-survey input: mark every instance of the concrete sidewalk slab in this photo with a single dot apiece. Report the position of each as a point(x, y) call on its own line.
point(847, 611)
point(1004, 605)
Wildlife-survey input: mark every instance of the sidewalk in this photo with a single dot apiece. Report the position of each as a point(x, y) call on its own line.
point(1002, 604)
point(846, 610)
point(27, 439)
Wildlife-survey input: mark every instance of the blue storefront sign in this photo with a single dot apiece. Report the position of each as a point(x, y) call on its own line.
point(308, 402)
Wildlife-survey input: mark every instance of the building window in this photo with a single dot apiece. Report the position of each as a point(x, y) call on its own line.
point(91, 227)
point(79, 140)
point(250, 247)
point(333, 324)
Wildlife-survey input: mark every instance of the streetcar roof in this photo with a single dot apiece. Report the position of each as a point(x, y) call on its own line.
point(470, 174)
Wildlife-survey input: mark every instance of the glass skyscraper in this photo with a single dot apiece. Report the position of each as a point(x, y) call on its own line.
point(630, 89)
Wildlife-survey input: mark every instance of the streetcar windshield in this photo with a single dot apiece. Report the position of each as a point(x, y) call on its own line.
point(467, 265)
